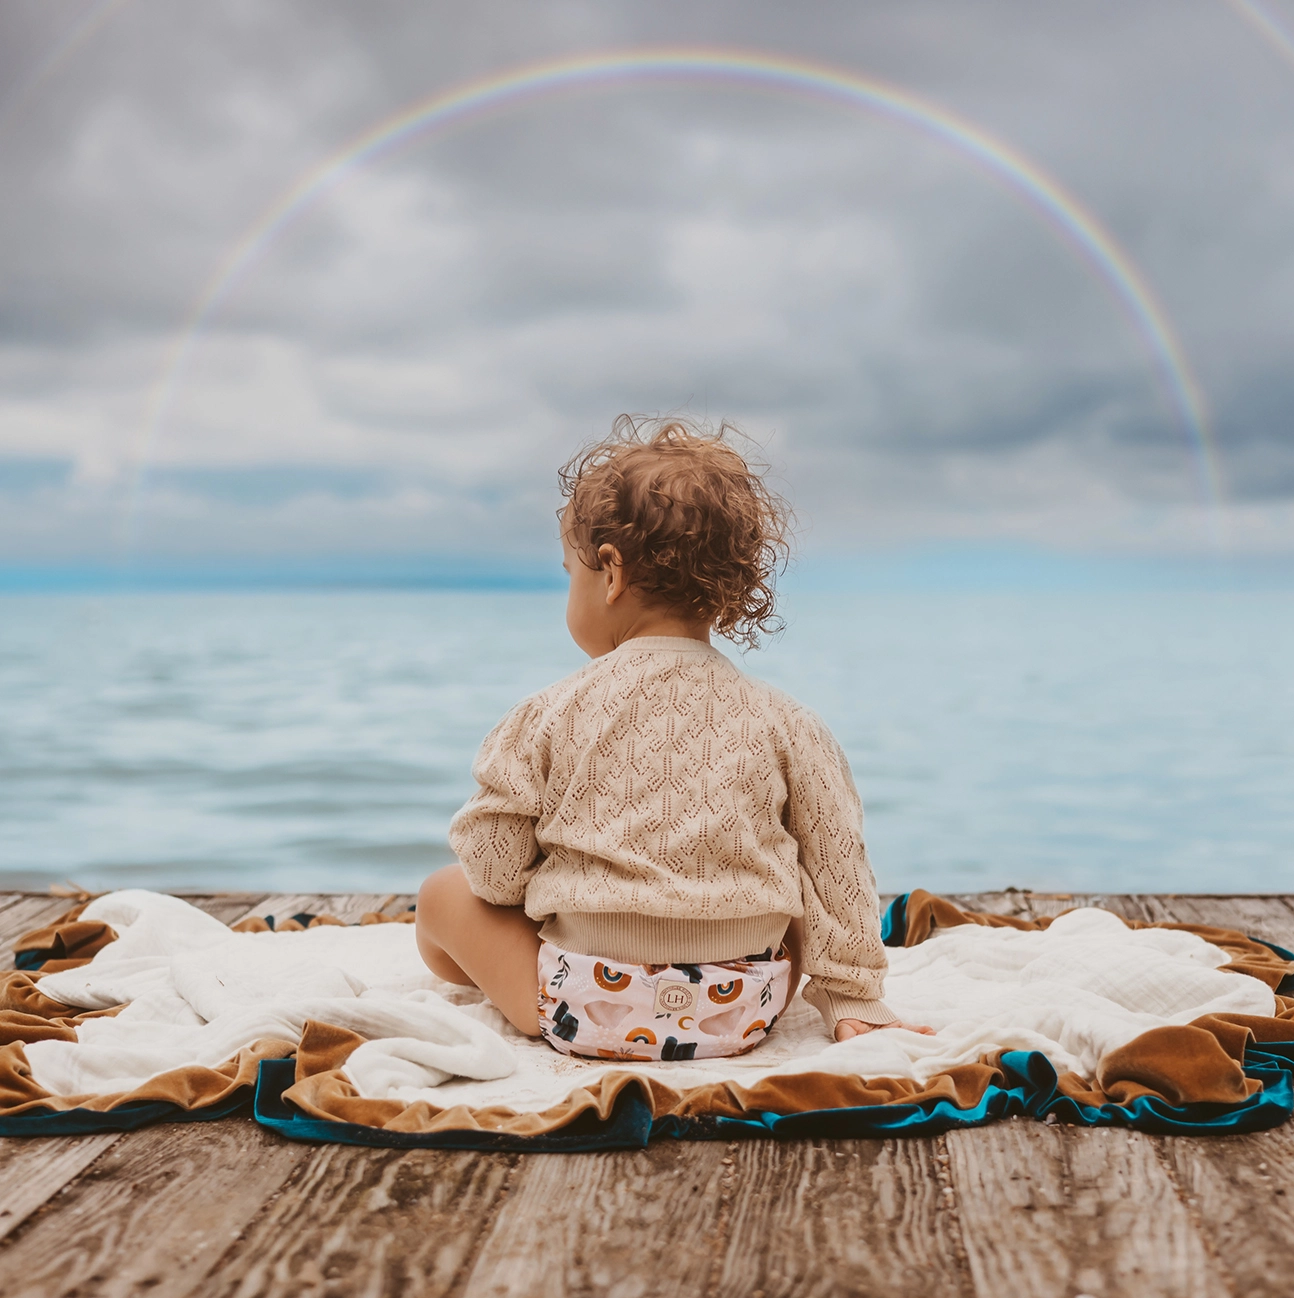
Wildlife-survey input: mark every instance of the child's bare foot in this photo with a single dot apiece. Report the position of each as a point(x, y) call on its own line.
point(847, 1028)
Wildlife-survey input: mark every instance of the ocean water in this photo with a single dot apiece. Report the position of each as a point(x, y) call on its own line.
point(1085, 740)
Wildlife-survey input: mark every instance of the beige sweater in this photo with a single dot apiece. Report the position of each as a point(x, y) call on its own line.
point(660, 806)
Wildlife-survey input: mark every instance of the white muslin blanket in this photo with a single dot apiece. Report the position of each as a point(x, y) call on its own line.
point(196, 993)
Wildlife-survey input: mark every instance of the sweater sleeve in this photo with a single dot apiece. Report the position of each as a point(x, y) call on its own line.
point(843, 952)
point(493, 833)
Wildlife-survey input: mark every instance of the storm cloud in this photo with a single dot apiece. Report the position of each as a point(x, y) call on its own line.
point(918, 352)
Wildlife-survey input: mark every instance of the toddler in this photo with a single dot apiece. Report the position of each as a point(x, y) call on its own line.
point(660, 843)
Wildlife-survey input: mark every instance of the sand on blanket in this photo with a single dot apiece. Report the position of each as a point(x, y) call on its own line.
point(197, 993)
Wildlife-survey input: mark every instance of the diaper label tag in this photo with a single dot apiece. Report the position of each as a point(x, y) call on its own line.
point(674, 997)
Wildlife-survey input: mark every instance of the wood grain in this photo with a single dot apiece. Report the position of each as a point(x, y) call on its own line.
point(347, 907)
point(367, 1221)
point(814, 1219)
point(1056, 1211)
point(35, 1170)
point(27, 912)
point(1011, 902)
point(8, 899)
point(30, 910)
point(1015, 1208)
point(1270, 918)
point(153, 1214)
point(227, 907)
point(618, 1225)
point(1124, 904)
point(1039, 905)
point(1240, 1190)
point(32, 1171)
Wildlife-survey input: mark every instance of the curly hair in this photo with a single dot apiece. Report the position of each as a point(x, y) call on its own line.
point(697, 528)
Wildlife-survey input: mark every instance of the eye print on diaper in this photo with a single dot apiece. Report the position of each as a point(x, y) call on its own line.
point(611, 980)
point(643, 1036)
point(725, 993)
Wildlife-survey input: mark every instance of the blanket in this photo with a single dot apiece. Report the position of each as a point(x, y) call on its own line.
point(139, 997)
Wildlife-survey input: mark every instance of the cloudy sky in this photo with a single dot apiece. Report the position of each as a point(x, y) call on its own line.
point(395, 375)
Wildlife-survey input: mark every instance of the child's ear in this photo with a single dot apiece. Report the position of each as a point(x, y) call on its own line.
point(613, 567)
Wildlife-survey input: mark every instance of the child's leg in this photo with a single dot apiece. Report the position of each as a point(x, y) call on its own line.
point(468, 941)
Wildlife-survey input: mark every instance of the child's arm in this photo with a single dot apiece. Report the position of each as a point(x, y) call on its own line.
point(494, 832)
point(843, 953)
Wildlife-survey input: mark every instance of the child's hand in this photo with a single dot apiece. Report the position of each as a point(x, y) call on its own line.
point(847, 1028)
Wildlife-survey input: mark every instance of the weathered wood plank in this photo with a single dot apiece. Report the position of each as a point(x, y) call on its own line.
point(32, 1171)
point(1270, 918)
point(1011, 902)
point(347, 907)
point(1240, 1189)
point(228, 907)
point(367, 1221)
point(1055, 1211)
point(26, 914)
point(816, 1219)
point(59, 1161)
point(1038, 905)
point(1056, 903)
point(586, 1224)
point(153, 1214)
point(8, 899)
point(1134, 907)
point(28, 910)
point(618, 1225)
point(1124, 904)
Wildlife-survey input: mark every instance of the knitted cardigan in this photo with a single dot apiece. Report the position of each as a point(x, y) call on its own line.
point(660, 806)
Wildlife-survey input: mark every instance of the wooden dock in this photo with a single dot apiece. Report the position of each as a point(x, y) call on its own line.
point(1018, 1208)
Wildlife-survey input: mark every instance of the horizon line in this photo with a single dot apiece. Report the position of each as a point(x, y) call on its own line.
point(921, 565)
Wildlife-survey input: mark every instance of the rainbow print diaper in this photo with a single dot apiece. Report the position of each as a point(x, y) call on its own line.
point(604, 1009)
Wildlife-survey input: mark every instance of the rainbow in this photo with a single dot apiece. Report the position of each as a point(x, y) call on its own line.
point(1268, 27)
point(80, 32)
point(519, 87)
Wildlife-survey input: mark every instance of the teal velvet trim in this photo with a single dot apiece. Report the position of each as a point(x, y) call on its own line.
point(628, 1127)
point(125, 1117)
point(1028, 1091)
point(1271, 946)
point(894, 923)
point(1286, 987)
